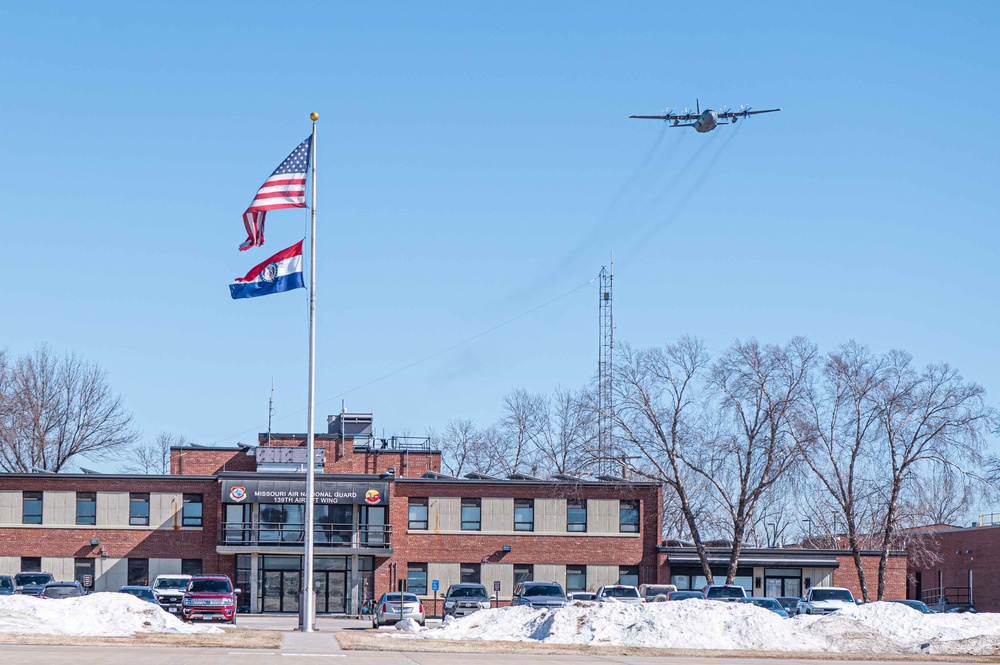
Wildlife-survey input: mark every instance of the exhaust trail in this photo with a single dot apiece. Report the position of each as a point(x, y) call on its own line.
point(688, 195)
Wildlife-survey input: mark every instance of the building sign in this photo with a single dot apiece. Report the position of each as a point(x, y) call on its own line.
point(294, 491)
point(287, 455)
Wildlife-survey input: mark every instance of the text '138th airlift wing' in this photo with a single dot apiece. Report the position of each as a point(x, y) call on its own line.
point(704, 121)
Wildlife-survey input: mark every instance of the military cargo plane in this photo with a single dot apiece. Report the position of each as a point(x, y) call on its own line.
point(704, 121)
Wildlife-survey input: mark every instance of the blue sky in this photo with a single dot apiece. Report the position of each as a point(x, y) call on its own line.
point(476, 161)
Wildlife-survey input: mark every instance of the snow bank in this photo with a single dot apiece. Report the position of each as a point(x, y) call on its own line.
point(878, 628)
point(409, 626)
point(96, 615)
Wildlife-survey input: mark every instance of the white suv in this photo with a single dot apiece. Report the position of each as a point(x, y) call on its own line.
point(825, 600)
point(169, 591)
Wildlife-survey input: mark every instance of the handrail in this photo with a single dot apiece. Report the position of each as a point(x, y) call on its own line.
point(293, 533)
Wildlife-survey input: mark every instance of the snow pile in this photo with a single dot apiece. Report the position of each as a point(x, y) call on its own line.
point(96, 615)
point(409, 626)
point(874, 628)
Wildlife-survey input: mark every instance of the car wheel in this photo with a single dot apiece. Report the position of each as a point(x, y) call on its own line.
point(423, 622)
point(375, 621)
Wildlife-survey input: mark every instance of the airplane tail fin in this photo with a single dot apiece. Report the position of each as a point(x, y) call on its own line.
point(697, 105)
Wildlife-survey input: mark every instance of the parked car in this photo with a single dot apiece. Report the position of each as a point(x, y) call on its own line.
point(789, 603)
point(620, 593)
point(31, 584)
point(583, 597)
point(732, 593)
point(656, 592)
point(962, 609)
point(825, 600)
point(393, 607)
point(140, 592)
point(538, 594)
point(771, 604)
point(169, 591)
point(6, 585)
point(58, 590)
point(686, 595)
point(209, 598)
point(917, 605)
point(464, 599)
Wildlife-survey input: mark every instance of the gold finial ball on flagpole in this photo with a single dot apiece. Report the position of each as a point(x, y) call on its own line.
point(314, 116)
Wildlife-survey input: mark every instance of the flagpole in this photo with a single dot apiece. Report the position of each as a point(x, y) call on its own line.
point(307, 609)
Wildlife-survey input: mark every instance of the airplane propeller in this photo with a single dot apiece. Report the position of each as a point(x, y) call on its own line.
point(668, 111)
point(724, 109)
point(744, 109)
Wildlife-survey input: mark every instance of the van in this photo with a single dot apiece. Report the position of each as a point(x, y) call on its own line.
point(652, 592)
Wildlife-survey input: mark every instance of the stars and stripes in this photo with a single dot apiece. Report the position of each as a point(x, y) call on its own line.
point(286, 188)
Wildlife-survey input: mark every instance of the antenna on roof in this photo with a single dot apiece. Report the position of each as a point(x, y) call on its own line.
point(270, 412)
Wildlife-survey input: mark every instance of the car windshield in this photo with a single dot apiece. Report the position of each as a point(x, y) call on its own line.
point(767, 603)
point(61, 592)
point(685, 595)
point(918, 605)
point(842, 595)
point(726, 592)
point(23, 579)
point(656, 590)
point(210, 586)
point(139, 592)
point(394, 598)
point(467, 592)
point(542, 590)
point(6, 583)
point(620, 592)
point(170, 583)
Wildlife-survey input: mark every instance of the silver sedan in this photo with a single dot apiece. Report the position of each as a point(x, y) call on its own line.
point(393, 607)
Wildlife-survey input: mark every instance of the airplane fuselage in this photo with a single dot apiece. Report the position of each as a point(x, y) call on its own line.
point(706, 122)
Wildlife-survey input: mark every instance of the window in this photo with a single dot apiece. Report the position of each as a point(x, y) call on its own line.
point(192, 510)
point(418, 514)
point(81, 568)
point(576, 578)
point(190, 566)
point(471, 514)
point(416, 578)
point(524, 514)
point(523, 573)
point(31, 564)
point(470, 573)
point(628, 575)
point(86, 508)
point(628, 516)
point(576, 515)
point(138, 572)
point(138, 509)
point(31, 507)
point(682, 582)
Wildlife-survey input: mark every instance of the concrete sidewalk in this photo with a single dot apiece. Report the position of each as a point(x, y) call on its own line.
point(295, 642)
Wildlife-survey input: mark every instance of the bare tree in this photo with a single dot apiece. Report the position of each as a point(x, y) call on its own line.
point(656, 394)
point(153, 457)
point(57, 409)
point(835, 431)
point(931, 417)
point(513, 441)
point(567, 430)
point(759, 387)
point(459, 446)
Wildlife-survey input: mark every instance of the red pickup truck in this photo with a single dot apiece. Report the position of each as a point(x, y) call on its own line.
point(209, 598)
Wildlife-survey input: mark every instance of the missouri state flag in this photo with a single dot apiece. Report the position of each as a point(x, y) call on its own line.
point(281, 272)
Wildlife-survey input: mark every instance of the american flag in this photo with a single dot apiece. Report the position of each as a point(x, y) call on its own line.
point(286, 188)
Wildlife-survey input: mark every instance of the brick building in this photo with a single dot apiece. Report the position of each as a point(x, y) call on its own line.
point(953, 566)
point(384, 512)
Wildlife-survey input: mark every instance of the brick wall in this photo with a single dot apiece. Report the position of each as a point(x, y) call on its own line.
point(119, 542)
point(953, 554)
point(895, 575)
point(470, 547)
point(209, 461)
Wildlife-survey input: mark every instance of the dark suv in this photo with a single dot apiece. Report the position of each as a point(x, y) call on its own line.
point(31, 584)
point(209, 598)
point(539, 594)
point(463, 599)
point(6, 585)
point(60, 590)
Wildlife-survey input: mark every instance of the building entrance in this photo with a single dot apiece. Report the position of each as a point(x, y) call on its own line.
point(280, 582)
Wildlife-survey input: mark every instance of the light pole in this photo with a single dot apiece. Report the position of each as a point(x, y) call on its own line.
point(774, 530)
point(809, 521)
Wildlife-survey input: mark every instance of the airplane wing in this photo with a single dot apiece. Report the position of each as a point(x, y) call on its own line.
point(668, 116)
point(743, 114)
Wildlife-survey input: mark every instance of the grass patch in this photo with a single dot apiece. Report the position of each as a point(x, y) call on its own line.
point(368, 640)
point(232, 638)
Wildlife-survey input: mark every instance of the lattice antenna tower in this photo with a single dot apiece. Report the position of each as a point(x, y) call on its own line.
point(270, 412)
point(605, 405)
